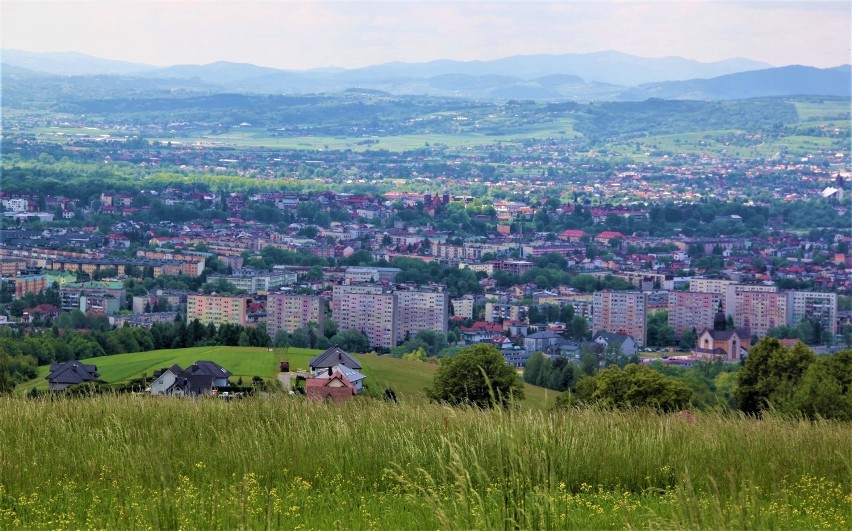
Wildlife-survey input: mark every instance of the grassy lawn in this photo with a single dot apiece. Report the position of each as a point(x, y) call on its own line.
point(825, 109)
point(244, 362)
point(407, 378)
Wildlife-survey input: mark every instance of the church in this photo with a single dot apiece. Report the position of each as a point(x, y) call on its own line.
point(721, 343)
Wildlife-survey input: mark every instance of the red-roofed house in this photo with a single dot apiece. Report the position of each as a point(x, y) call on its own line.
point(336, 388)
point(572, 235)
point(607, 235)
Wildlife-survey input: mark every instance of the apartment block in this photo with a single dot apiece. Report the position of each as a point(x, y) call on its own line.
point(621, 312)
point(355, 274)
point(495, 312)
point(255, 280)
point(709, 285)
point(425, 308)
point(29, 284)
point(756, 310)
point(97, 296)
point(463, 307)
point(289, 312)
point(216, 309)
point(815, 306)
point(370, 309)
point(689, 309)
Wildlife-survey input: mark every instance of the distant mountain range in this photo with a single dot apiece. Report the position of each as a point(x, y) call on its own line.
point(602, 76)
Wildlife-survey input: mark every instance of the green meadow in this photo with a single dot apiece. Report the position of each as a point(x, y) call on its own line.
point(406, 377)
point(282, 462)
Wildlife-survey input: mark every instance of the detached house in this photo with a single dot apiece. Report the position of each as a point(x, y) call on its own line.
point(623, 343)
point(71, 373)
point(199, 379)
point(335, 387)
point(330, 359)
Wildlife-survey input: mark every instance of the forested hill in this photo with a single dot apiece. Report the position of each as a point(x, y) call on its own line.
point(605, 76)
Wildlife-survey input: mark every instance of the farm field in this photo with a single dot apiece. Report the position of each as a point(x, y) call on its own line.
point(260, 138)
point(283, 462)
point(407, 378)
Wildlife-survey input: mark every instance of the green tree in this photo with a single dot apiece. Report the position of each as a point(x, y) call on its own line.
point(532, 370)
point(771, 375)
point(824, 388)
point(282, 339)
point(639, 386)
point(351, 341)
point(477, 375)
point(7, 383)
point(244, 340)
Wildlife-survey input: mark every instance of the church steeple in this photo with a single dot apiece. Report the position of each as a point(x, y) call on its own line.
point(720, 322)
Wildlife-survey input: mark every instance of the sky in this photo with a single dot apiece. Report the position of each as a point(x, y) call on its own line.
point(300, 35)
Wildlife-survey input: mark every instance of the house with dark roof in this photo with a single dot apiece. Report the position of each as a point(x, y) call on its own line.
point(165, 378)
point(623, 343)
point(199, 379)
point(541, 341)
point(71, 373)
point(331, 358)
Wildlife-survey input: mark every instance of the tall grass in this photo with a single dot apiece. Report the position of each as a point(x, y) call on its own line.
point(282, 462)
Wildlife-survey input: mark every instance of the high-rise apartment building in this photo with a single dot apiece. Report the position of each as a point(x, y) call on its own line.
point(216, 309)
point(688, 310)
point(496, 312)
point(389, 316)
point(425, 308)
point(756, 308)
point(367, 308)
point(709, 285)
point(818, 307)
point(463, 307)
point(289, 312)
point(621, 312)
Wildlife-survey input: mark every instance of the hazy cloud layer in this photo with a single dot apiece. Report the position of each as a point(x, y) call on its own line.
point(302, 35)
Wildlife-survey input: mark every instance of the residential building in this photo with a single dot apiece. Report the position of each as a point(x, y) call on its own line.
point(463, 307)
point(497, 313)
point(818, 307)
point(371, 309)
point(622, 312)
point(355, 377)
point(96, 296)
point(690, 310)
point(331, 358)
point(217, 309)
point(513, 267)
point(289, 312)
point(541, 341)
point(709, 285)
point(199, 379)
point(756, 308)
point(424, 308)
point(142, 320)
point(29, 284)
point(336, 388)
point(355, 274)
point(621, 343)
point(71, 373)
point(253, 280)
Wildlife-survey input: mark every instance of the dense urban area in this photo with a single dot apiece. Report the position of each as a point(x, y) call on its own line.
point(568, 253)
point(551, 291)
